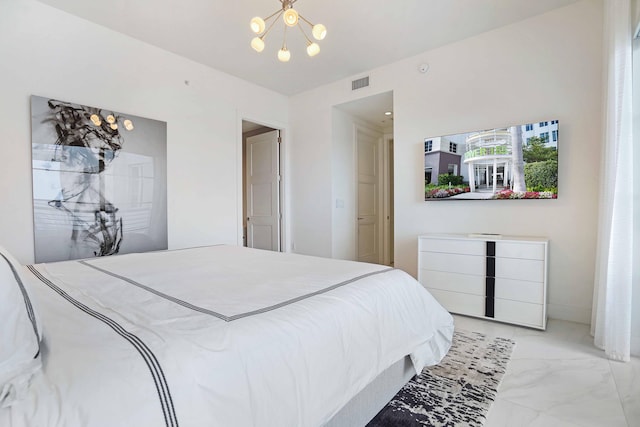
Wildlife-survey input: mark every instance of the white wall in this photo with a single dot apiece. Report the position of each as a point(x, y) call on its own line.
point(547, 67)
point(343, 177)
point(50, 53)
point(635, 14)
point(311, 176)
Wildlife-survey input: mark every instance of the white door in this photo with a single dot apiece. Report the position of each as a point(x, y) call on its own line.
point(262, 185)
point(369, 210)
point(388, 202)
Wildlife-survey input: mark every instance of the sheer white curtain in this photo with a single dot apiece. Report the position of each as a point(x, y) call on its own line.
point(611, 323)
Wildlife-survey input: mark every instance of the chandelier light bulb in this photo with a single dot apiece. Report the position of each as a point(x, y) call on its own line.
point(128, 124)
point(111, 119)
point(96, 119)
point(257, 44)
point(313, 49)
point(319, 32)
point(284, 55)
point(257, 25)
point(114, 126)
point(290, 17)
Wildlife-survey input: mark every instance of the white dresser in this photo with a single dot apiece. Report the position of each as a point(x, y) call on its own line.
point(502, 278)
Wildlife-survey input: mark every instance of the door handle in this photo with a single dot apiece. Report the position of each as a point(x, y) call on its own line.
point(359, 218)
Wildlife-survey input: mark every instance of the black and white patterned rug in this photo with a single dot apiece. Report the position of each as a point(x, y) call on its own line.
point(456, 392)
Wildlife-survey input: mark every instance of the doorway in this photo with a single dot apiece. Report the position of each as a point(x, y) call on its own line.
point(363, 222)
point(261, 189)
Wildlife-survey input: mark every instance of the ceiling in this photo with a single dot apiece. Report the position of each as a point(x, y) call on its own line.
point(372, 109)
point(361, 34)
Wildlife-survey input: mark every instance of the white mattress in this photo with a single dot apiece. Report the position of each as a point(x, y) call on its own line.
point(219, 336)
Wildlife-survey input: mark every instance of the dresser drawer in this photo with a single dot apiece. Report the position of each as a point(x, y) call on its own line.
point(522, 313)
point(453, 263)
point(520, 269)
point(455, 302)
point(520, 250)
point(520, 290)
point(455, 282)
point(453, 246)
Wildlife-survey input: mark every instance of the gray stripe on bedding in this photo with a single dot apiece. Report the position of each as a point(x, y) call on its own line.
point(27, 302)
point(235, 316)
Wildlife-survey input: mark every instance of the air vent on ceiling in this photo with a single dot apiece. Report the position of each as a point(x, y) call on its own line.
point(360, 83)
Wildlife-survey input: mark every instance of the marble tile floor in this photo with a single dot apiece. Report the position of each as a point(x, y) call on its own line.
point(557, 378)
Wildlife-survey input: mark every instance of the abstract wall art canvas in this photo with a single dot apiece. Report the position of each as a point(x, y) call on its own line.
point(99, 181)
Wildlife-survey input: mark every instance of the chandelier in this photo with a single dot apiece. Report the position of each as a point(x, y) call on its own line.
point(291, 18)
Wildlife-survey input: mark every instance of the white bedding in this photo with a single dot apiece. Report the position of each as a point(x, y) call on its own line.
point(219, 336)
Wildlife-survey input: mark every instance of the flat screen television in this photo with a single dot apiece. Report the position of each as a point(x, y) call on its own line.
point(515, 162)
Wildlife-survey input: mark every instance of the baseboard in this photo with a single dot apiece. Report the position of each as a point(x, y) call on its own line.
point(635, 346)
point(569, 313)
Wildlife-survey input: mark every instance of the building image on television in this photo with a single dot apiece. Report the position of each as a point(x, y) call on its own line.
point(517, 162)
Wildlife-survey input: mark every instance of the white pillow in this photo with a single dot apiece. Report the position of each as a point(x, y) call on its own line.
point(19, 332)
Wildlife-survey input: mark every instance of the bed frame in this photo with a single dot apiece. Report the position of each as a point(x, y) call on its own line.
point(365, 405)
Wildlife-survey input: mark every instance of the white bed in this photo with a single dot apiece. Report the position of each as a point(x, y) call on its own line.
point(218, 336)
